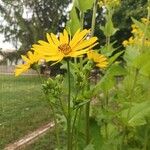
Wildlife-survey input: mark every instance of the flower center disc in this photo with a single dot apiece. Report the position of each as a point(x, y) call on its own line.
point(65, 48)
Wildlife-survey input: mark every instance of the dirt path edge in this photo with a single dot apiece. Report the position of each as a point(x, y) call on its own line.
point(30, 138)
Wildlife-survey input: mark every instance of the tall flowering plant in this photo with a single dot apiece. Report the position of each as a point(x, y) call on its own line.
point(95, 111)
point(64, 48)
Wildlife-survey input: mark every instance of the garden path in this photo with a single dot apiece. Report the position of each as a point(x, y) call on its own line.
point(30, 138)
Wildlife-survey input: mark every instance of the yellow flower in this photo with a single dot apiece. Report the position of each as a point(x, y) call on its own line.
point(61, 47)
point(125, 43)
point(29, 61)
point(100, 60)
point(145, 20)
point(112, 3)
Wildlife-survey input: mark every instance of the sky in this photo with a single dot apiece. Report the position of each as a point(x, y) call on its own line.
point(5, 45)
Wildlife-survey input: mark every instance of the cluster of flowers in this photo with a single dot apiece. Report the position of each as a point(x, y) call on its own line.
point(138, 35)
point(112, 3)
point(56, 49)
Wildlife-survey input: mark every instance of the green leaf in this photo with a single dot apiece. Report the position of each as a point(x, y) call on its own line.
point(96, 137)
point(84, 5)
point(107, 50)
point(108, 81)
point(108, 29)
point(143, 64)
point(141, 60)
point(131, 53)
point(89, 147)
point(145, 70)
point(74, 23)
point(114, 57)
point(116, 70)
point(137, 114)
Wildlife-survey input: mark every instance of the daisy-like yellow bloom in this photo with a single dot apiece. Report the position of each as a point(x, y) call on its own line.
point(29, 60)
point(100, 60)
point(63, 46)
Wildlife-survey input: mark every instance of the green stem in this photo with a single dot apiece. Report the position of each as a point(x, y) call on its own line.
point(62, 107)
point(148, 17)
point(56, 126)
point(87, 123)
point(55, 121)
point(82, 20)
point(78, 126)
point(106, 107)
point(74, 121)
point(39, 74)
point(132, 91)
point(87, 108)
point(123, 139)
point(69, 146)
point(94, 17)
point(145, 147)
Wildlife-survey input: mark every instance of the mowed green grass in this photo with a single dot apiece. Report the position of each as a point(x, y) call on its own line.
point(22, 107)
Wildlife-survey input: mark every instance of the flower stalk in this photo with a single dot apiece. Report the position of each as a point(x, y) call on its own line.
point(87, 107)
point(69, 134)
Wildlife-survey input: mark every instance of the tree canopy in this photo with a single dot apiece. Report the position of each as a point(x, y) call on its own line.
point(25, 21)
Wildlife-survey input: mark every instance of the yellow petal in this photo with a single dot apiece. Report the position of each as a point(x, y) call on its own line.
point(53, 57)
point(66, 38)
point(49, 38)
point(78, 53)
point(43, 43)
point(21, 68)
point(102, 65)
point(61, 38)
point(78, 37)
point(24, 58)
point(85, 44)
point(55, 40)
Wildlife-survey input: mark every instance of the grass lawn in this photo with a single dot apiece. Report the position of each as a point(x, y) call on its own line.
point(22, 107)
point(47, 142)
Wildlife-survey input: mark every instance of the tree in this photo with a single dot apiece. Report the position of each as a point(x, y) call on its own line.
point(41, 16)
point(122, 16)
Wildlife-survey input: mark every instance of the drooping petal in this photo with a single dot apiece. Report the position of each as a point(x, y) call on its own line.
point(21, 68)
point(99, 59)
